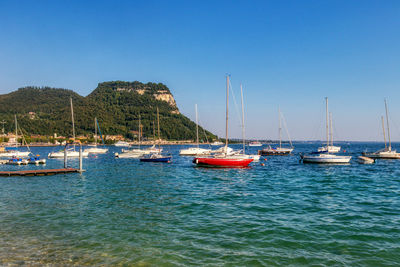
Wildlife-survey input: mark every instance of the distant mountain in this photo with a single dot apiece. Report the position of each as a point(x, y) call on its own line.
point(116, 105)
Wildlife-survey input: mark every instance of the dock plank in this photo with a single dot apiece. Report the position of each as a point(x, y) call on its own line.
point(44, 172)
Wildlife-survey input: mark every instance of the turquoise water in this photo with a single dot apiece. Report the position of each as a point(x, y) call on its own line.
point(123, 212)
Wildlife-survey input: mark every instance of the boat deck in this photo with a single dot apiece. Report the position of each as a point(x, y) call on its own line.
point(38, 172)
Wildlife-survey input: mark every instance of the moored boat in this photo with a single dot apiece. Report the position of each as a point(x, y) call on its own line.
point(365, 160)
point(224, 160)
point(122, 144)
point(255, 143)
point(325, 158)
point(387, 152)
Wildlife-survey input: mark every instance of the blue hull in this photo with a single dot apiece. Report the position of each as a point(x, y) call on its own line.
point(166, 159)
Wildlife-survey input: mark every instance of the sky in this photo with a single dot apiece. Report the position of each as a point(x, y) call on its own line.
point(286, 54)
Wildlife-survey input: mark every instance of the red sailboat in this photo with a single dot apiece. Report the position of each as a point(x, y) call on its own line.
point(224, 160)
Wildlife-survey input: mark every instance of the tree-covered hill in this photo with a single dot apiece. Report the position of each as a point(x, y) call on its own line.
point(116, 105)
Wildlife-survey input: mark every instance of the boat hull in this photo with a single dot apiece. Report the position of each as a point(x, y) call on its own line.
point(222, 162)
point(382, 155)
point(275, 152)
point(163, 159)
point(326, 159)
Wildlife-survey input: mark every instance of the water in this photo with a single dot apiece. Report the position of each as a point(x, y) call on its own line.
point(123, 212)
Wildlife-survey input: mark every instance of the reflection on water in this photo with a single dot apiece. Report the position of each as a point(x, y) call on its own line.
point(122, 211)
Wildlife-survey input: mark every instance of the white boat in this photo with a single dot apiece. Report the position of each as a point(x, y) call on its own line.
point(255, 143)
point(138, 152)
point(216, 143)
point(387, 152)
point(122, 144)
point(94, 149)
point(325, 157)
point(330, 148)
point(71, 153)
point(17, 161)
point(14, 152)
point(195, 151)
point(278, 151)
point(365, 160)
point(36, 160)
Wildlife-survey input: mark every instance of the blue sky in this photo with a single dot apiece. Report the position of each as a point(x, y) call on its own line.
point(285, 53)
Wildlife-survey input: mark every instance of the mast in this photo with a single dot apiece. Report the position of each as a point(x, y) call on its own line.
point(243, 129)
point(197, 126)
point(158, 126)
point(140, 133)
point(387, 122)
point(330, 128)
point(227, 109)
point(327, 124)
point(73, 122)
point(280, 128)
point(95, 131)
point(154, 132)
point(384, 134)
point(16, 131)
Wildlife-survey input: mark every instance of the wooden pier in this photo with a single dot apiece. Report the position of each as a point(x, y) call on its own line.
point(39, 172)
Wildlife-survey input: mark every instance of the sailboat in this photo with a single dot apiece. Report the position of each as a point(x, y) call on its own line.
point(71, 153)
point(14, 153)
point(244, 155)
point(195, 151)
point(137, 153)
point(278, 151)
point(157, 157)
point(94, 149)
point(224, 160)
point(387, 152)
point(325, 157)
point(329, 146)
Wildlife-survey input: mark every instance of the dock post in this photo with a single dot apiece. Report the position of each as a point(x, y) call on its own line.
point(65, 157)
point(80, 159)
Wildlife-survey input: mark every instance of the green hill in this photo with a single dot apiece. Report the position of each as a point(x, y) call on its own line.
point(116, 105)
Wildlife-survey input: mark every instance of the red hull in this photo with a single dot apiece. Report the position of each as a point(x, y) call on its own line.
point(222, 162)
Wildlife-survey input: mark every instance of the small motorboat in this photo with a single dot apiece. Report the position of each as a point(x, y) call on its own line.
point(277, 151)
point(17, 161)
point(325, 158)
point(156, 158)
point(365, 160)
point(36, 160)
point(217, 143)
point(255, 143)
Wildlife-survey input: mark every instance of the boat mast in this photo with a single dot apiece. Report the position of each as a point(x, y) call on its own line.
point(327, 124)
point(227, 109)
point(384, 134)
point(16, 131)
point(280, 127)
point(243, 129)
point(197, 126)
point(330, 127)
point(158, 126)
point(387, 122)
point(73, 122)
point(140, 126)
point(95, 131)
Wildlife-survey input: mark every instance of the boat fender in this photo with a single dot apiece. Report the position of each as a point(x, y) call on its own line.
point(116, 155)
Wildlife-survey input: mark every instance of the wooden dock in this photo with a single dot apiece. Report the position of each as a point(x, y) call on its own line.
point(38, 172)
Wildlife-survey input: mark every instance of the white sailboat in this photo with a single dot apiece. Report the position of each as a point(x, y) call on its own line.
point(94, 149)
point(195, 151)
point(71, 153)
point(14, 153)
point(329, 146)
point(251, 156)
point(325, 156)
point(278, 151)
point(139, 152)
point(387, 152)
